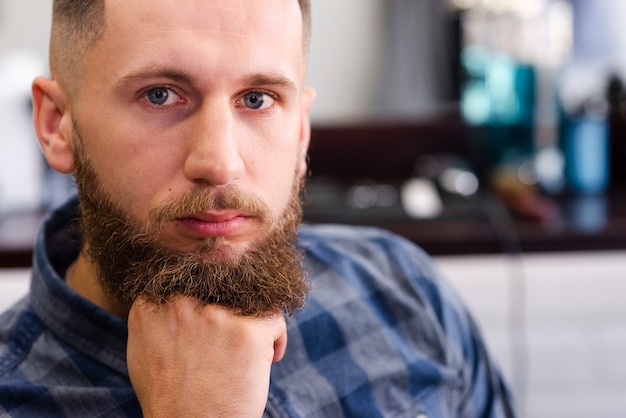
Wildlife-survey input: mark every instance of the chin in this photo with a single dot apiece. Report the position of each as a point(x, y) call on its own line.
point(212, 250)
point(224, 253)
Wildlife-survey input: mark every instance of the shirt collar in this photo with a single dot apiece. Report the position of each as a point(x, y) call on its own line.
point(78, 322)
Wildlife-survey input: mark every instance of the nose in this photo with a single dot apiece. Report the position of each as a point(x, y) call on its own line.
point(214, 156)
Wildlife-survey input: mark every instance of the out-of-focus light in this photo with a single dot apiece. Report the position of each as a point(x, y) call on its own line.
point(457, 181)
point(362, 197)
point(386, 196)
point(420, 199)
point(464, 4)
point(527, 173)
point(500, 6)
point(549, 164)
point(475, 103)
point(528, 8)
point(366, 196)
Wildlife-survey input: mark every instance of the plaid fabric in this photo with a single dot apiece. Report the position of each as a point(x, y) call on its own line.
point(382, 335)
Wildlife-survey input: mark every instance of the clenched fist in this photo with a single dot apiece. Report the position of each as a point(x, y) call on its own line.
point(191, 360)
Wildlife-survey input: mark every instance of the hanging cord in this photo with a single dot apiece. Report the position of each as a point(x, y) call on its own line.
point(503, 226)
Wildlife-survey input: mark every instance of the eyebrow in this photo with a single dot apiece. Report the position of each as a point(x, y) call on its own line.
point(261, 79)
point(254, 80)
point(154, 72)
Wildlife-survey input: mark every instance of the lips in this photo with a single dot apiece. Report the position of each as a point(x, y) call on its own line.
point(214, 224)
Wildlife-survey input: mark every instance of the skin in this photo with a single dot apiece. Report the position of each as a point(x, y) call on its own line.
point(208, 57)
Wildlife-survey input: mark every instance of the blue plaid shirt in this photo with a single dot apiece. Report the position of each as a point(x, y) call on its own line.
point(382, 335)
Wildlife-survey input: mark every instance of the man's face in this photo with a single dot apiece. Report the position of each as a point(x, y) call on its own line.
point(184, 95)
point(193, 120)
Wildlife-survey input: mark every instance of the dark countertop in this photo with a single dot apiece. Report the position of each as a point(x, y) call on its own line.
point(483, 225)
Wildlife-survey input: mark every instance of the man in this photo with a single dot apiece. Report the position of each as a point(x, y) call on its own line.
point(170, 286)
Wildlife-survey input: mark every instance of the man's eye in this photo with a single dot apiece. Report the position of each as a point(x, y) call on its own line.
point(257, 100)
point(160, 96)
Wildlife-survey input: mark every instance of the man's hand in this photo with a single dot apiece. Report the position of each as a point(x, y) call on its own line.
point(189, 360)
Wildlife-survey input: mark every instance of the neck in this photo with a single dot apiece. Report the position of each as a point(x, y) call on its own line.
point(83, 279)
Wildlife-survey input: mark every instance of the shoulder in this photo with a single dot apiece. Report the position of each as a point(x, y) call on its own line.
point(368, 280)
point(367, 261)
point(374, 248)
point(19, 328)
point(377, 260)
point(311, 234)
point(357, 240)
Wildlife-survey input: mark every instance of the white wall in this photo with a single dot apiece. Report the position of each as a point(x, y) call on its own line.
point(345, 60)
point(25, 24)
point(557, 325)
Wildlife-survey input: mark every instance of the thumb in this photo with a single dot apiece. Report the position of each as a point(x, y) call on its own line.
point(280, 341)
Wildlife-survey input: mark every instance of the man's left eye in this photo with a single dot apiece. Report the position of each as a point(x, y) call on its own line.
point(256, 100)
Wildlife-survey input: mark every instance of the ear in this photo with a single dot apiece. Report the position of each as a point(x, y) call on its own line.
point(53, 123)
point(308, 97)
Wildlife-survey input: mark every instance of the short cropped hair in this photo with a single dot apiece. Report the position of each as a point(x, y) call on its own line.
point(76, 27)
point(78, 24)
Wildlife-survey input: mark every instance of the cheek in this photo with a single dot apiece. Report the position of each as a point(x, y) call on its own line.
point(130, 168)
point(273, 170)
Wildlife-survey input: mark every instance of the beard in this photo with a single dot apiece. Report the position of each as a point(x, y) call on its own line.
point(264, 279)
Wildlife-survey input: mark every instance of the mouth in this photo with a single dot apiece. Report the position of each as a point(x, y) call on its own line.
point(214, 223)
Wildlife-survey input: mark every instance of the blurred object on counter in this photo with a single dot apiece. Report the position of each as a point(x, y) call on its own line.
point(520, 195)
point(508, 93)
point(616, 96)
point(587, 213)
point(584, 95)
point(584, 143)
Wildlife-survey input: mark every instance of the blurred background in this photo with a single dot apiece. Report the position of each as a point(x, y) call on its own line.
point(490, 132)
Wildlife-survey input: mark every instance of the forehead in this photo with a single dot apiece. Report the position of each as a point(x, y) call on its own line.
point(216, 31)
point(234, 15)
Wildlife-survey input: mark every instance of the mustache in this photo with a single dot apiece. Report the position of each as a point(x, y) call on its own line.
point(202, 199)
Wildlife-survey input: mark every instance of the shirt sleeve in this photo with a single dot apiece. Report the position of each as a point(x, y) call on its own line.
point(484, 392)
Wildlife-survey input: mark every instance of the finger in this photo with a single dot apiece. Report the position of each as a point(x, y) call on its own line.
point(280, 339)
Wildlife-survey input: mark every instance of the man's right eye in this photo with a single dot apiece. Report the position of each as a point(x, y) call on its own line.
point(160, 96)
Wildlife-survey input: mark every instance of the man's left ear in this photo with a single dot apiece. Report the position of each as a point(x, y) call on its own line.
point(308, 97)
